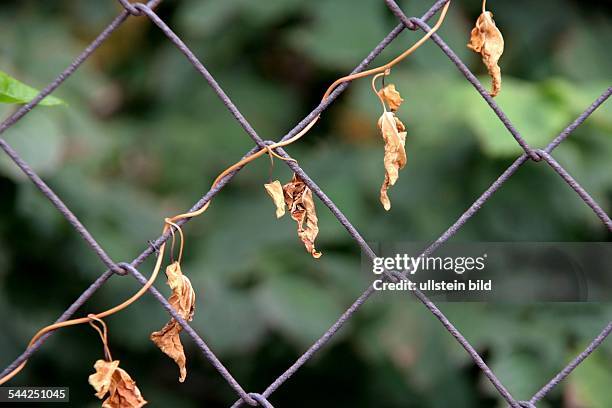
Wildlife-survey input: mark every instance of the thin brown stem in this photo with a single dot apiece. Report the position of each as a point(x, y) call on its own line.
point(382, 102)
point(103, 335)
point(394, 61)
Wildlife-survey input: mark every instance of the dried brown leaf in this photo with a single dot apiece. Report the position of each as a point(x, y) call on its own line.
point(122, 390)
point(183, 301)
point(298, 198)
point(487, 40)
point(394, 136)
point(391, 97)
point(101, 379)
point(169, 342)
point(275, 191)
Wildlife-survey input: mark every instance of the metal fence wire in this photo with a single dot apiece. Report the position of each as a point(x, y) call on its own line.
point(123, 268)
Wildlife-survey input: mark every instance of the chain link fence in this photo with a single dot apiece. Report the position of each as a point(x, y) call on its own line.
point(542, 155)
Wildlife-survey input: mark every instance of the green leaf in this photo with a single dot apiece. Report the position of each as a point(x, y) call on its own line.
point(14, 91)
point(521, 372)
point(231, 319)
point(536, 114)
point(332, 39)
point(298, 308)
point(581, 55)
point(591, 382)
point(40, 142)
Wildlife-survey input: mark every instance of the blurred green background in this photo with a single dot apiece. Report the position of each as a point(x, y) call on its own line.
point(143, 136)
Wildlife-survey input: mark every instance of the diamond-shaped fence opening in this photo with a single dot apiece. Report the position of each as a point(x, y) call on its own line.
point(543, 155)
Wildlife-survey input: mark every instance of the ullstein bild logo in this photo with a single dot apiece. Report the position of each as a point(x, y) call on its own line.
point(411, 265)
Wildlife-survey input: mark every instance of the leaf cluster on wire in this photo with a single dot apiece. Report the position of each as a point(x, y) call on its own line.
point(114, 383)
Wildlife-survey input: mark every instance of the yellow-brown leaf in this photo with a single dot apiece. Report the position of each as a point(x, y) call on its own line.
point(391, 97)
point(101, 379)
point(183, 301)
point(275, 191)
point(122, 390)
point(169, 342)
point(487, 40)
point(394, 136)
point(298, 198)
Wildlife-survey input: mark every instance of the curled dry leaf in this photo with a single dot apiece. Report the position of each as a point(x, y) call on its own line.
point(183, 301)
point(391, 97)
point(298, 198)
point(122, 390)
point(487, 40)
point(394, 134)
point(275, 190)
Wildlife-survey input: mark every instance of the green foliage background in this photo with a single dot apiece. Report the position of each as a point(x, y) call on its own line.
point(143, 137)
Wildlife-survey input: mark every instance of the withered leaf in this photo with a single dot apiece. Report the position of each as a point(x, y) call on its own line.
point(101, 379)
point(275, 191)
point(394, 135)
point(298, 198)
point(183, 301)
point(122, 390)
point(487, 40)
point(391, 97)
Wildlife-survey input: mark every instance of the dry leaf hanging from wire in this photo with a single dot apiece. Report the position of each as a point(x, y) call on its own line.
point(487, 40)
point(298, 198)
point(122, 390)
point(275, 190)
point(183, 301)
point(391, 97)
point(394, 135)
